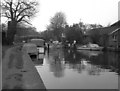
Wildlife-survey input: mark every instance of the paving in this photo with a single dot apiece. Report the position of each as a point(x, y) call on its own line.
point(19, 72)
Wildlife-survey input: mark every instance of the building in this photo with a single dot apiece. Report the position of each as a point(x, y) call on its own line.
point(114, 39)
point(108, 37)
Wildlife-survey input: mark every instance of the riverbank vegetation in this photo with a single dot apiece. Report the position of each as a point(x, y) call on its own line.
point(59, 30)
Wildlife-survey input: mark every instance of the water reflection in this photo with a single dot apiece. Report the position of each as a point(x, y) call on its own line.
point(107, 60)
point(56, 63)
point(80, 69)
point(92, 61)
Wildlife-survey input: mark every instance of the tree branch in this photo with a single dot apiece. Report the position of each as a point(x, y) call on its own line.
point(5, 6)
point(16, 9)
point(27, 22)
point(22, 12)
point(7, 3)
point(11, 11)
point(19, 10)
point(22, 18)
point(7, 15)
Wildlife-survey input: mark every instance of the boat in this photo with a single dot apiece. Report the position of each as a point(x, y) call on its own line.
point(90, 53)
point(92, 47)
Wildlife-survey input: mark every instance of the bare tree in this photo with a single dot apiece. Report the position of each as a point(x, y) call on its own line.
point(57, 23)
point(59, 20)
point(18, 11)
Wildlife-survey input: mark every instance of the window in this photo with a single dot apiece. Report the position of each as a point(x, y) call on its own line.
point(114, 37)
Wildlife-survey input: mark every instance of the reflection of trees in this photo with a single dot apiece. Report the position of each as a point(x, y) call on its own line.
point(94, 64)
point(56, 64)
point(107, 61)
point(79, 62)
point(94, 70)
point(73, 59)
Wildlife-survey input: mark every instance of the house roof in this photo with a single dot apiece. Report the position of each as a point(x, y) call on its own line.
point(116, 23)
point(114, 31)
point(107, 30)
point(104, 30)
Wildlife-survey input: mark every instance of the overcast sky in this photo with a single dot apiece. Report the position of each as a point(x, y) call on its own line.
point(89, 11)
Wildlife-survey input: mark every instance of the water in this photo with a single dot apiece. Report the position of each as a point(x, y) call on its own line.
point(67, 69)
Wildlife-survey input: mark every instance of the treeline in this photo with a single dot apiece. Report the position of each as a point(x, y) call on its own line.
point(17, 11)
point(59, 30)
point(23, 32)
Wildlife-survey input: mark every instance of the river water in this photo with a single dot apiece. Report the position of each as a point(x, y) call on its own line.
point(68, 69)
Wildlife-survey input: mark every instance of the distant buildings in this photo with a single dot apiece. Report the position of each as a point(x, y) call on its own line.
point(114, 38)
point(108, 37)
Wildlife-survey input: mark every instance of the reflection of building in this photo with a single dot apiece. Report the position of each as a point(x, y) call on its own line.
point(103, 61)
point(107, 60)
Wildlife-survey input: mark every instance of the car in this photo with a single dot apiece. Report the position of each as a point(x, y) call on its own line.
point(31, 49)
point(40, 43)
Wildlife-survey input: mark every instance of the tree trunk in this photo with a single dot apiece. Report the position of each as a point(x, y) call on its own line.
point(11, 31)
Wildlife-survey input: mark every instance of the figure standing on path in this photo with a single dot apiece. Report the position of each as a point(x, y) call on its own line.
point(74, 44)
point(48, 46)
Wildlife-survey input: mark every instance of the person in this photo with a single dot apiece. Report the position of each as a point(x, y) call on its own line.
point(69, 45)
point(48, 46)
point(74, 44)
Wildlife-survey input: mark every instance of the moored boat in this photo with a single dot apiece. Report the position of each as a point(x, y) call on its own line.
point(93, 47)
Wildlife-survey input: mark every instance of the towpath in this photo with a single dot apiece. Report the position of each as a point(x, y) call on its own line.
point(18, 71)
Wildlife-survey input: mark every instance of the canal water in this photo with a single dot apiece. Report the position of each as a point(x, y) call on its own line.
point(68, 69)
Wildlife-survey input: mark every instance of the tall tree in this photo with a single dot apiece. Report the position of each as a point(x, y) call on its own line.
point(57, 24)
point(59, 20)
point(74, 32)
point(17, 11)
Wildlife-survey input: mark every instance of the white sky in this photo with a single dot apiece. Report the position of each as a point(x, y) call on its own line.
point(89, 11)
